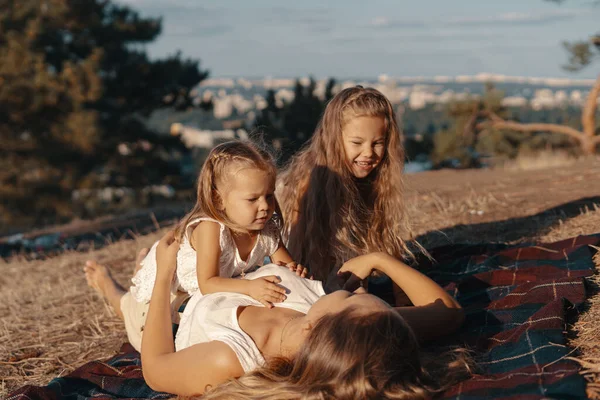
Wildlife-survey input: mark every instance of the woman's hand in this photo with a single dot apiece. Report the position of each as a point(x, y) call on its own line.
point(356, 271)
point(266, 290)
point(166, 255)
point(361, 266)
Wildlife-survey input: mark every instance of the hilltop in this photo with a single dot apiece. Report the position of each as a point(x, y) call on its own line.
point(52, 322)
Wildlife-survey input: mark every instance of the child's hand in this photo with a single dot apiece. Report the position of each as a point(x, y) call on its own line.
point(266, 290)
point(166, 255)
point(299, 269)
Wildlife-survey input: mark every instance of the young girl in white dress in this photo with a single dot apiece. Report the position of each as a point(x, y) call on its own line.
point(229, 232)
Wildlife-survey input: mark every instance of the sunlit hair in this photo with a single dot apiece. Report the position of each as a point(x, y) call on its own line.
point(349, 355)
point(330, 215)
point(223, 161)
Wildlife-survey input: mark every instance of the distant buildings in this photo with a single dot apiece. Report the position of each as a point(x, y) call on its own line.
point(205, 139)
point(240, 97)
point(237, 102)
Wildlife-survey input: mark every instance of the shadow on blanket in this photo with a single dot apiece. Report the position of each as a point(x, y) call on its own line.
point(515, 300)
point(512, 229)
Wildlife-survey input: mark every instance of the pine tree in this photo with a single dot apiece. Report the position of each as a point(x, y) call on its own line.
point(295, 122)
point(587, 138)
point(74, 82)
point(459, 142)
point(581, 52)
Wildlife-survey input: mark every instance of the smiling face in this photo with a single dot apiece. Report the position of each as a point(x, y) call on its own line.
point(248, 199)
point(364, 144)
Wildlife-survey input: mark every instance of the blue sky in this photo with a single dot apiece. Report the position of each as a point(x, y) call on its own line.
point(362, 39)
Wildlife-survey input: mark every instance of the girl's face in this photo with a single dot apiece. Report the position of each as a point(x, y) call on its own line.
point(248, 199)
point(364, 144)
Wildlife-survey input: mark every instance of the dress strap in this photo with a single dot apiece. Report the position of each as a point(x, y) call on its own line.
point(196, 221)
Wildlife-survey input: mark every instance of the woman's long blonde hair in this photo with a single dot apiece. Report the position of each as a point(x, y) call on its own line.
point(330, 215)
point(222, 161)
point(350, 355)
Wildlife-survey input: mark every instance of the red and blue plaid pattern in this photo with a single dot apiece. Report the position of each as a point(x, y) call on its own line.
point(516, 300)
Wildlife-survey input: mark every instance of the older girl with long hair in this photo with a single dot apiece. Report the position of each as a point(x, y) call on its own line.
point(342, 195)
point(344, 345)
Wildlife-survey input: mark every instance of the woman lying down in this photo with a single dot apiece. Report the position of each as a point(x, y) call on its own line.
point(313, 345)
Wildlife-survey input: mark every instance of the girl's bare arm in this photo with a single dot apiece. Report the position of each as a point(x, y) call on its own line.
point(281, 255)
point(206, 241)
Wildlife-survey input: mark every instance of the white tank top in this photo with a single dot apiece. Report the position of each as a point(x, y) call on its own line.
point(214, 316)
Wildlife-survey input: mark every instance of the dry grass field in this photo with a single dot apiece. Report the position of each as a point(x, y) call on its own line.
point(51, 322)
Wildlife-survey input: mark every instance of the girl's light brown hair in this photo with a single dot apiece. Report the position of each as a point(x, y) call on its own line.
point(330, 215)
point(222, 162)
point(350, 355)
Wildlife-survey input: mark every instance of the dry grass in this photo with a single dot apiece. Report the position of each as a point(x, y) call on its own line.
point(539, 161)
point(51, 322)
point(587, 339)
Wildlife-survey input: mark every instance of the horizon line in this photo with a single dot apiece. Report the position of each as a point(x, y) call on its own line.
point(482, 77)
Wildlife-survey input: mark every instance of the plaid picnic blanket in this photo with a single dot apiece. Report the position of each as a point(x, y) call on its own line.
point(516, 300)
point(515, 297)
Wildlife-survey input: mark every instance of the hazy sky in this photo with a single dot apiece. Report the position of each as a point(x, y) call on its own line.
point(365, 38)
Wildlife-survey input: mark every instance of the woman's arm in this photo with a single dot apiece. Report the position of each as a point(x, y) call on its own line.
point(435, 312)
point(189, 371)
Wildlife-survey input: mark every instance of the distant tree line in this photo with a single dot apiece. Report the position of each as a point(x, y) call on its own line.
point(457, 134)
point(470, 138)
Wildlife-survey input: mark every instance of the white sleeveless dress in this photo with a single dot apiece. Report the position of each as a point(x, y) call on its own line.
point(230, 263)
point(214, 316)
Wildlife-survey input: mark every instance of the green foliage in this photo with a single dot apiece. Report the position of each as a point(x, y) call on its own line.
point(468, 142)
point(73, 84)
point(534, 142)
point(452, 149)
point(458, 145)
point(581, 53)
point(418, 146)
point(501, 144)
point(290, 126)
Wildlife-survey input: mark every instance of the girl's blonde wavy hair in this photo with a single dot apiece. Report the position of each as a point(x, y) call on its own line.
point(222, 162)
point(330, 215)
point(349, 356)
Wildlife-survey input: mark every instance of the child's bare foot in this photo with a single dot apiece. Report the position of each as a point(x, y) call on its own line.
point(140, 257)
point(99, 278)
